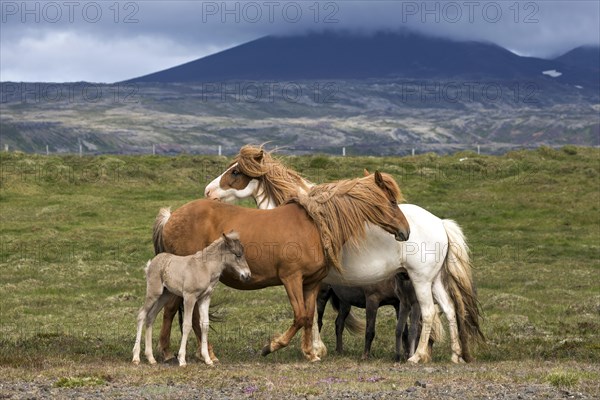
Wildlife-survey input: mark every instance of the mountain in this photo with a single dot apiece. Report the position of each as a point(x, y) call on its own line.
point(384, 94)
point(583, 56)
point(330, 55)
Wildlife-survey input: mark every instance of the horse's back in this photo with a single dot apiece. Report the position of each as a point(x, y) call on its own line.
point(424, 222)
point(380, 256)
point(278, 240)
point(189, 228)
point(426, 249)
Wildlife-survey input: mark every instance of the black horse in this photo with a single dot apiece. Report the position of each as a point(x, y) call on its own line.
point(397, 291)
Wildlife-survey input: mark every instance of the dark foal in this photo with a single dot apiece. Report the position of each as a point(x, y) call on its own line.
point(397, 291)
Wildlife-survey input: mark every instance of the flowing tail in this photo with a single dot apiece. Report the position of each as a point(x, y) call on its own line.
point(157, 231)
point(159, 247)
point(354, 324)
point(457, 277)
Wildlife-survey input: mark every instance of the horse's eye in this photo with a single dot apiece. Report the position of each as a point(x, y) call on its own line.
point(235, 172)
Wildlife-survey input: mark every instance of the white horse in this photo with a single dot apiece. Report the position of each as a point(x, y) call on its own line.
point(193, 278)
point(436, 256)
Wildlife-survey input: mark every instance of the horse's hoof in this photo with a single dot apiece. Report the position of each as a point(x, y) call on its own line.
point(209, 363)
point(457, 360)
point(414, 359)
point(136, 362)
point(364, 357)
point(322, 352)
point(266, 350)
point(152, 362)
point(171, 361)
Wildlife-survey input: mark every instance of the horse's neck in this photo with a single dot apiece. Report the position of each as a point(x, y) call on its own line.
point(209, 259)
point(265, 202)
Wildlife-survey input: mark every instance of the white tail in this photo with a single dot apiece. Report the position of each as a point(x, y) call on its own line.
point(159, 223)
point(459, 284)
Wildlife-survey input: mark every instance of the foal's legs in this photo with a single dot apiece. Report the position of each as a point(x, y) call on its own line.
point(371, 311)
point(149, 302)
point(204, 304)
point(322, 298)
point(164, 343)
point(146, 314)
point(188, 308)
point(340, 322)
point(150, 317)
point(414, 328)
point(198, 332)
point(400, 324)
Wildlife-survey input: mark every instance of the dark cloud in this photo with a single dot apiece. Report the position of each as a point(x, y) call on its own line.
point(97, 41)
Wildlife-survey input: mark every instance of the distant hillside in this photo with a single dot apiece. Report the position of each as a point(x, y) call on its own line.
point(583, 56)
point(383, 55)
point(372, 117)
point(383, 94)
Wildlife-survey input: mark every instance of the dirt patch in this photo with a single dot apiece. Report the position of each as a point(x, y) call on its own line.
point(338, 379)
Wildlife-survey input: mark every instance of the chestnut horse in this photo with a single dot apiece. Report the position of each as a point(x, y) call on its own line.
point(293, 245)
point(436, 258)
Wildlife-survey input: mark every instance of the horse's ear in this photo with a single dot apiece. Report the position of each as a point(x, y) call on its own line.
point(233, 235)
point(259, 156)
point(366, 172)
point(227, 240)
point(379, 180)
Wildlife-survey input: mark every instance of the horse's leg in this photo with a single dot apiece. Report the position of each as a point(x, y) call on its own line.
point(371, 311)
point(310, 293)
point(322, 299)
point(203, 308)
point(143, 313)
point(293, 287)
point(198, 333)
point(400, 339)
point(319, 347)
point(446, 304)
point(415, 327)
point(164, 342)
point(425, 298)
point(150, 317)
point(189, 300)
point(340, 322)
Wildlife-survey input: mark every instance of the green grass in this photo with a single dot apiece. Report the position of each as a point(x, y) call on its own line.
point(76, 232)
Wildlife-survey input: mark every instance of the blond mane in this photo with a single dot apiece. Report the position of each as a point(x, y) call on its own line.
point(276, 181)
point(341, 209)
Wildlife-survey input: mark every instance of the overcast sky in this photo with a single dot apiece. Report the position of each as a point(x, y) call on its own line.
point(109, 41)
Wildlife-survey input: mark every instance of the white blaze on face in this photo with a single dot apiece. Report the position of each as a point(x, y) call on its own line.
point(214, 190)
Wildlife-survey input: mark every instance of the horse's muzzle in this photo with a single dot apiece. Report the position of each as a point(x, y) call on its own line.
point(245, 277)
point(402, 235)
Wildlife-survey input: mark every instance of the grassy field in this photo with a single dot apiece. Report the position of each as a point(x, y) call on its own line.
point(76, 232)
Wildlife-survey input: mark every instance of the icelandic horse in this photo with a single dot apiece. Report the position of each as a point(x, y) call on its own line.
point(295, 245)
point(436, 257)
